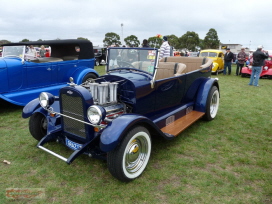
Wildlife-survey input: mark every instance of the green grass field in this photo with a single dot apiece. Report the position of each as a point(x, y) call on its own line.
point(227, 160)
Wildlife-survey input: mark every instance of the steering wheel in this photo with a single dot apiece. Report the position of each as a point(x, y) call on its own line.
point(125, 64)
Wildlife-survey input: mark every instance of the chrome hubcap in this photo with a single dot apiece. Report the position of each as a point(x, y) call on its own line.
point(136, 154)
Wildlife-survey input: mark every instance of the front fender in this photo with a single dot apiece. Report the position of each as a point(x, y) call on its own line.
point(34, 106)
point(118, 128)
point(246, 70)
point(215, 67)
point(203, 93)
point(81, 73)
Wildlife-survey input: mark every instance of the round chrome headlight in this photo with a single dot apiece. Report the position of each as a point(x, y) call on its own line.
point(96, 114)
point(46, 99)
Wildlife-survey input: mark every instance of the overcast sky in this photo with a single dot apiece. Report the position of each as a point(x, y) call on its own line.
point(245, 22)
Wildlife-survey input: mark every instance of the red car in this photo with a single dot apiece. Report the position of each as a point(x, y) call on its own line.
point(266, 69)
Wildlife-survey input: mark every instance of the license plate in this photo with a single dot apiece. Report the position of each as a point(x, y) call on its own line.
point(73, 145)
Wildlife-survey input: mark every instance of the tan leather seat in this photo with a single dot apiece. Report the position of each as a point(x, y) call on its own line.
point(192, 63)
point(169, 69)
point(143, 65)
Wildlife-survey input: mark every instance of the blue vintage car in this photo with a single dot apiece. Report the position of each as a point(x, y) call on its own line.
point(25, 76)
point(115, 116)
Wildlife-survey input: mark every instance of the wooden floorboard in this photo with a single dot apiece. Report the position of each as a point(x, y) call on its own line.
point(182, 123)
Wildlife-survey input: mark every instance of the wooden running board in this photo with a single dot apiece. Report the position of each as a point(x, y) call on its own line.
point(182, 123)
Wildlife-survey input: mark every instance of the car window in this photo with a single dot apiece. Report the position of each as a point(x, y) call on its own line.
point(17, 51)
point(140, 59)
point(212, 54)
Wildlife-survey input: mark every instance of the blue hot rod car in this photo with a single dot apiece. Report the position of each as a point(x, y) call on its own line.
point(114, 117)
point(24, 77)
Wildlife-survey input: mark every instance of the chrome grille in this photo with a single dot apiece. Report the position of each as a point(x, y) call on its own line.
point(72, 106)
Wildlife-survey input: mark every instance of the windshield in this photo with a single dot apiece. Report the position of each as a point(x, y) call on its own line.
point(143, 59)
point(13, 51)
point(208, 54)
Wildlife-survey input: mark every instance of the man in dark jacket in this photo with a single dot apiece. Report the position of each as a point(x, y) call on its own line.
point(258, 61)
point(227, 61)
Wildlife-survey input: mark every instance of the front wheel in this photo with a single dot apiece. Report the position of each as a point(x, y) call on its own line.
point(212, 104)
point(38, 126)
point(129, 159)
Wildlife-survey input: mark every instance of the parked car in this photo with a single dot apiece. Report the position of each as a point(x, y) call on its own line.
point(192, 54)
point(115, 117)
point(266, 69)
point(218, 59)
point(23, 77)
point(100, 54)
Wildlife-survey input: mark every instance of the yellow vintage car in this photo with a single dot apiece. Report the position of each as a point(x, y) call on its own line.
point(218, 59)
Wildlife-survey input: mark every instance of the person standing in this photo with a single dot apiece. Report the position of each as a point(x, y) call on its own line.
point(165, 48)
point(145, 43)
point(42, 51)
point(227, 61)
point(258, 61)
point(241, 57)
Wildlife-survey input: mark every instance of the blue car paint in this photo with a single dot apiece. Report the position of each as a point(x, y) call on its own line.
point(22, 81)
point(34, 106)
point(118, 128)
point(203, 93)
point(81, 73)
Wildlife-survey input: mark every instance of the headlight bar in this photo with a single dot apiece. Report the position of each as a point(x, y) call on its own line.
point(50, 110)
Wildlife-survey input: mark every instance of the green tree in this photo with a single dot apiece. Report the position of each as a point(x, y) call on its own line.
point(189, 41)
point(132, 41)
point(154, 42)
point(173, 41)
point(4, 42)
point(111, 39)
point(25, 40)
point(81, 38)
point(211, 40)
point(201, 44)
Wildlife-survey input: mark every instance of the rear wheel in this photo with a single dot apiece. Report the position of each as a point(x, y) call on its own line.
point(212, 104)
point(89, 77)
point(129, 159)
point(38, 126)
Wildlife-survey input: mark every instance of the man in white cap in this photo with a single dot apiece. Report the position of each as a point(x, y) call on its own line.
point(258, 61)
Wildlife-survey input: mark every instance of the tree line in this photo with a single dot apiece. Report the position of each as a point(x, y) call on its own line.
point(189, 41)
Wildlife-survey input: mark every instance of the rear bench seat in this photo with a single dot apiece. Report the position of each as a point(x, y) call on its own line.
point(192, 63)
point(169, 69)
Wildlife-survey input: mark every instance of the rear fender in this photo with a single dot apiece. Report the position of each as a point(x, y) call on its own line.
point(81, 73)
point(203, 93)
point(118, 128)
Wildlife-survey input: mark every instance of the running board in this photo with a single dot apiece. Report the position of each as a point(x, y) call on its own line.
point(182, 123)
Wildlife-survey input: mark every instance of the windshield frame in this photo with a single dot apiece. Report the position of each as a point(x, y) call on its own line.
point(19, 53)
point(135, 59)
